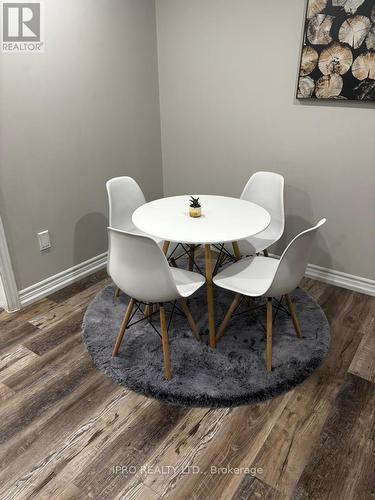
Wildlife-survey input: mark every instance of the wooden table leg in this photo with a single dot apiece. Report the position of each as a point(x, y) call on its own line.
point(166, 247)
point(236, 250)
point(210, 296)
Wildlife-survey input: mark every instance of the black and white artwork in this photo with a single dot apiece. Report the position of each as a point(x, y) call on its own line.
point(338, 53)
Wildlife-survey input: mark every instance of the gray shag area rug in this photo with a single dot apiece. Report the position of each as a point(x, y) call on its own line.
point(233, 374)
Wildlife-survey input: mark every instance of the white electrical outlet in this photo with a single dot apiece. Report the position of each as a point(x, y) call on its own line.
point(44, 240)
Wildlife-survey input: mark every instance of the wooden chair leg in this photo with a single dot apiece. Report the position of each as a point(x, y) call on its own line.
point(149, 310)
point(294, 316)
point(210, 297)
point(250, 302)
point(265, 252)
point(228, 316)
point(146, 312)
point(189, 317)
point(123, 327)
point(117, 292)
point(269, 335)
point(164, 337)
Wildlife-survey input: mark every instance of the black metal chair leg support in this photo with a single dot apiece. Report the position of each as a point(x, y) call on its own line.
point(192, 258)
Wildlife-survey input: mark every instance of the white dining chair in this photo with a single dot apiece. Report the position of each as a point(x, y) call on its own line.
point(267, 190)
point(140, 269)
point(124, 197)
point(270, 278)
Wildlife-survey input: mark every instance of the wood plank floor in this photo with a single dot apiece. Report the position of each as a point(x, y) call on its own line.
point(68, 432)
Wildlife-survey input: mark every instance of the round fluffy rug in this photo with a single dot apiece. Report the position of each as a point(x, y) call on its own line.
point(233, 374)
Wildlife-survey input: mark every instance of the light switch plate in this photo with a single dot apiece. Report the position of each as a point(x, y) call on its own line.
point(44, 240)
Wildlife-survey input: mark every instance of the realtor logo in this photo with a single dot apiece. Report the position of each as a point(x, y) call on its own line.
point(22, 27)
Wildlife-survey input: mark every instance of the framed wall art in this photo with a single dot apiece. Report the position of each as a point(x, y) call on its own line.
point(338, 52)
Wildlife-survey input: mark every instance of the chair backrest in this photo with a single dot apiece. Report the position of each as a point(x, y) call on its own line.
point(139, 268)
point(293, 263)
point(267, 190)
point(124, 197)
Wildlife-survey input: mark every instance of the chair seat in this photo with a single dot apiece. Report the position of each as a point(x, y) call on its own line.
point(258, 243)
point(252, 276)
point(187, 282)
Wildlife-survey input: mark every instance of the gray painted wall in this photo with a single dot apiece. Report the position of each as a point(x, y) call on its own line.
point(88, 110)
point(82, 112)
point(227, 84)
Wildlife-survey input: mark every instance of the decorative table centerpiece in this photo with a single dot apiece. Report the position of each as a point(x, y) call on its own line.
point(195, 209)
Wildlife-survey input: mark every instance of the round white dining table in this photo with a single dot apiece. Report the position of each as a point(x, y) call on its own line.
point(223, 220)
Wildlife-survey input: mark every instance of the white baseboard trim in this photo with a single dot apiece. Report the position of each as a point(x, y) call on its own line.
point(343, 280)
point(65, 278)
point(61, 280)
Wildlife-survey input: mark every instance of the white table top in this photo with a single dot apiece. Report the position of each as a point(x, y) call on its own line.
point(223, 219)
